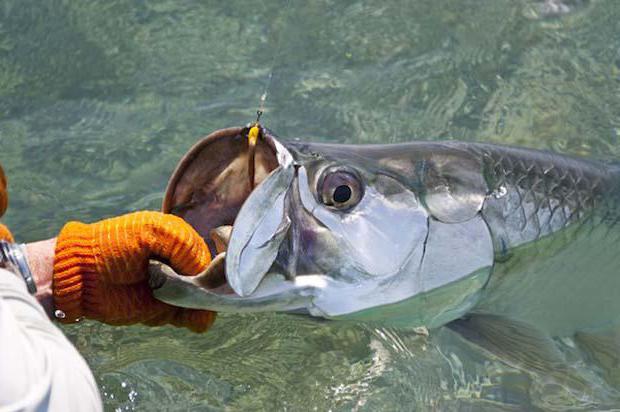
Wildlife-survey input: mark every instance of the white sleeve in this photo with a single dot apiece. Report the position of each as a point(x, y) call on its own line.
point(40, 370)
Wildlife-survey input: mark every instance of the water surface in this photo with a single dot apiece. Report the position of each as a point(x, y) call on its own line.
point(99, 99)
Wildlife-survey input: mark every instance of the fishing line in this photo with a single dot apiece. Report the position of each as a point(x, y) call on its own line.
point(254, 132)
point(274, 58)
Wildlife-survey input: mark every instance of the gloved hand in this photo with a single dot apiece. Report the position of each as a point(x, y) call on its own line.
point(5, 233)
point(100, 269)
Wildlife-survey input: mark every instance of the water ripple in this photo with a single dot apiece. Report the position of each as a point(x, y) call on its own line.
point(100, 99)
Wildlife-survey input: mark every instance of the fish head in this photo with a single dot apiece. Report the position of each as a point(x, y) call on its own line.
point(351, 233)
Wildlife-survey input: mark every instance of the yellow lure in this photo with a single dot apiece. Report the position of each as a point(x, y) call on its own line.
point(253, 134)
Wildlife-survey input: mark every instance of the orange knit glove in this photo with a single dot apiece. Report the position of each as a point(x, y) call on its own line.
point(5, 233)
point(100, 269)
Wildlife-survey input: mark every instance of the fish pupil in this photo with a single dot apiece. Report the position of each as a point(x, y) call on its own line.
point(342, 194)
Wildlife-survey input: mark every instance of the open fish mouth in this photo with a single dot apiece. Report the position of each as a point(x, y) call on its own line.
point(211, 189)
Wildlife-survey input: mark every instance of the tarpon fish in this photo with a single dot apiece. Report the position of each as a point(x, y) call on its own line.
point(413, 234)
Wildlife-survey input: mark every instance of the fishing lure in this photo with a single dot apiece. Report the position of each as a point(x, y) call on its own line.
point(253, 135)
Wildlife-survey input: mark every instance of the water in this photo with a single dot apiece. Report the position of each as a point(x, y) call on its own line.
point(99, 99)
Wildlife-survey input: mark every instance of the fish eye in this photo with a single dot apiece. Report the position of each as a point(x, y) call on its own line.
point(340, 188)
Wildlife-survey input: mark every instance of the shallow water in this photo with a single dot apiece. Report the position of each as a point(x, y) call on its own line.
point(99, 99)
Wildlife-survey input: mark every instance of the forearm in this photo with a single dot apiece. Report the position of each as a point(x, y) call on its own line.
point(40, 257)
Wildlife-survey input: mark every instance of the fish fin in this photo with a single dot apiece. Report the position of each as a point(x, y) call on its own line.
point(603, 349)
point(515, 343)
point(534, 352)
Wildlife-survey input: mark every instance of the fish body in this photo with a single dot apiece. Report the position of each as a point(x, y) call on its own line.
point(414, 234)
point(553, 220)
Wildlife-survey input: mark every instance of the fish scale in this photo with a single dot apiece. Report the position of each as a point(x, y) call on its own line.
point(548, 191)
point(565, 234)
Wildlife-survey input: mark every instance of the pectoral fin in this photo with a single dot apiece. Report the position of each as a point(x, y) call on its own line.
point(515, 343)
point(603, 349)
point(530, 350)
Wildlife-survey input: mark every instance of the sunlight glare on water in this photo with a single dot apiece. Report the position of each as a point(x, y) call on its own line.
point(100, 99)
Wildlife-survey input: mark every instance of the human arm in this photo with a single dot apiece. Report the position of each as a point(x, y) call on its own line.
point(109, 260)
point(40, 256)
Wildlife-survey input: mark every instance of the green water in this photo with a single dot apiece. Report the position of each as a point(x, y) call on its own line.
point(99, 99)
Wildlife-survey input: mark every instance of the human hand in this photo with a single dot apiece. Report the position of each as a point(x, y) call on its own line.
point(100, 269)
point(5, 233)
